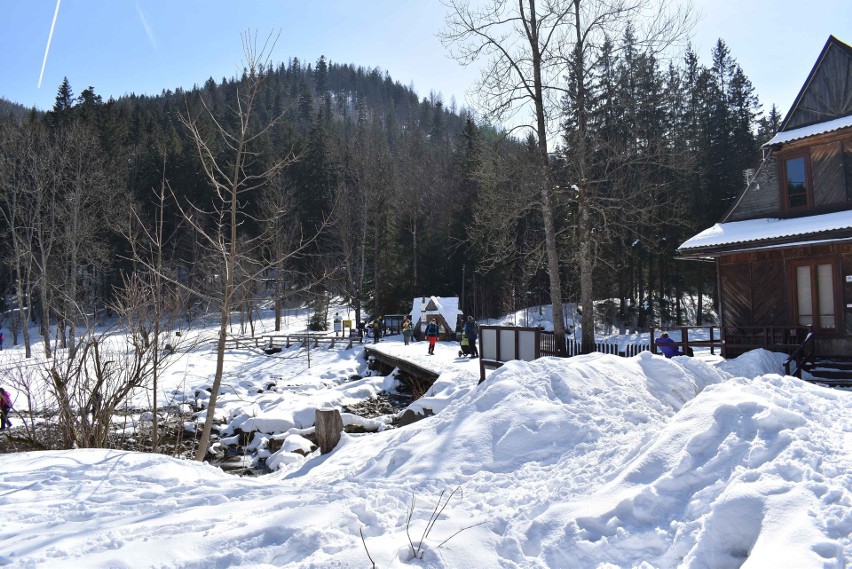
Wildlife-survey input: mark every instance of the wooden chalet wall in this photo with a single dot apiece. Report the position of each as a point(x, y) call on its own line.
point(762, 197)
point(831, 176)
point(828, 171)
point(755, 290)
point(847, 161)
point(826, 95)
point(758, 291)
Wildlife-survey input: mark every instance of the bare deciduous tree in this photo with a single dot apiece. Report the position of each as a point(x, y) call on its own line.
point(16, 211)
point(231, 162)
point(523, 44)
point(538, 53)
point(656, 25)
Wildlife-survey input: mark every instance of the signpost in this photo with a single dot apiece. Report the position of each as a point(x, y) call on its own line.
point(500, 344)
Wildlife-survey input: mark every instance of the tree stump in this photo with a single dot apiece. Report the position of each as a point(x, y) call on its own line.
point(327, 426)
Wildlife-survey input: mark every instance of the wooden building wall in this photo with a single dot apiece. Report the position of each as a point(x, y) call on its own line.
point(847, 162)
point(831, 179)
point(762, 197)
point(754, 290)
point(827, 95)
point(757, 291)
point(828, 174)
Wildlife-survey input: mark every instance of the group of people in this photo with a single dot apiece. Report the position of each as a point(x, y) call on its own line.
point(374, 329)
point(467, 336)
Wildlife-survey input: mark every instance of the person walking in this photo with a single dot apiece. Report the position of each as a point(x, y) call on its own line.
point(431, 333)
point(471, 333)
point(377, 330)
point(5, 407)
point(407, 329)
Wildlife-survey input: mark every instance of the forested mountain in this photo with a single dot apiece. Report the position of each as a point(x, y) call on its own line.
point(8, 110)
point(385, 196)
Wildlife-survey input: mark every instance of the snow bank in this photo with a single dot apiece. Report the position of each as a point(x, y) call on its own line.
point(745, 474)
point(594, 461)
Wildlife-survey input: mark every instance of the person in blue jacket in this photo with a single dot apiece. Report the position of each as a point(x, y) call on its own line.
point(431, 334)
point(470, 332)
point(668, 346)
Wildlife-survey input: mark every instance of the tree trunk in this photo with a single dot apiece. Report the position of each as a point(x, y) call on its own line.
point(277, 293)
point(586, 284)
point(45, 322)
point(547, 191)
point(328, 425)
point(23, 309)
point(699, 307)
point(414, 280)
point(376, 271)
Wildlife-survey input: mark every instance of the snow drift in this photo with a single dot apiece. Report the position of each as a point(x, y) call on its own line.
point(594, 461)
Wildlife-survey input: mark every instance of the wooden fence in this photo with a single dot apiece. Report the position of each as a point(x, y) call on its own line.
point(271, 342)
point(574, 347)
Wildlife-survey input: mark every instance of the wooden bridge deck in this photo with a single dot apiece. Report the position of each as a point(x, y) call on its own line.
point(417, 366)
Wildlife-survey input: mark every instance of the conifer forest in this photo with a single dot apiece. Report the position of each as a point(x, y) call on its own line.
point(302, 181)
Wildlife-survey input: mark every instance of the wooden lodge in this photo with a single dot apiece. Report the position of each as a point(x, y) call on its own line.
point(783, 252)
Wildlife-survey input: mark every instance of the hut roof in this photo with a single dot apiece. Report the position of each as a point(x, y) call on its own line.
point(446, 306)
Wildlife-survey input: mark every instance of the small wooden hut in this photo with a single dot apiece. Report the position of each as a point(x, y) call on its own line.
point(445, 310)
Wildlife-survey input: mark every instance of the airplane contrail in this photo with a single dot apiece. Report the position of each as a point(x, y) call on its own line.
point(145, 25)
point(49, 38)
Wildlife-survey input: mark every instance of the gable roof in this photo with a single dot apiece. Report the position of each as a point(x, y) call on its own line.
point(446, 306)
point(825, 94)
point(737, 236)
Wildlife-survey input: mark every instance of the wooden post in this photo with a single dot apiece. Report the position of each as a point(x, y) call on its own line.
point(327, 426)
point(712, 342)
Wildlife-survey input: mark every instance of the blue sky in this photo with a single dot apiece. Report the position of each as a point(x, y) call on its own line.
point(145, 46)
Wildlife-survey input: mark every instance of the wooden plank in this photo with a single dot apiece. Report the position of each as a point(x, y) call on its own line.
point(826, 96)
point(827, 169)
point(404, 365)
point(769, 294)
point(736, 288)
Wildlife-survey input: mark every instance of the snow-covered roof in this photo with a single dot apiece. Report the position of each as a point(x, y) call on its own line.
point(812, 130)
point(758, 230)
point(446, 306)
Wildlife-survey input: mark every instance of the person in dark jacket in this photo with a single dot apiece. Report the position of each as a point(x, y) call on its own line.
point(5, 407)
point(377, 330)
point(668, 346)
point(431, 333)
point(471, 332)
point(407, 330)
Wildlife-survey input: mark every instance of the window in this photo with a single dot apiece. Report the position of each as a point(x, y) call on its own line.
point(815, 295)
point(796, 180)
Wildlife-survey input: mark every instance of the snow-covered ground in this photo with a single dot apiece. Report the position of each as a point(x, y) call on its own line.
point(593, 461)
